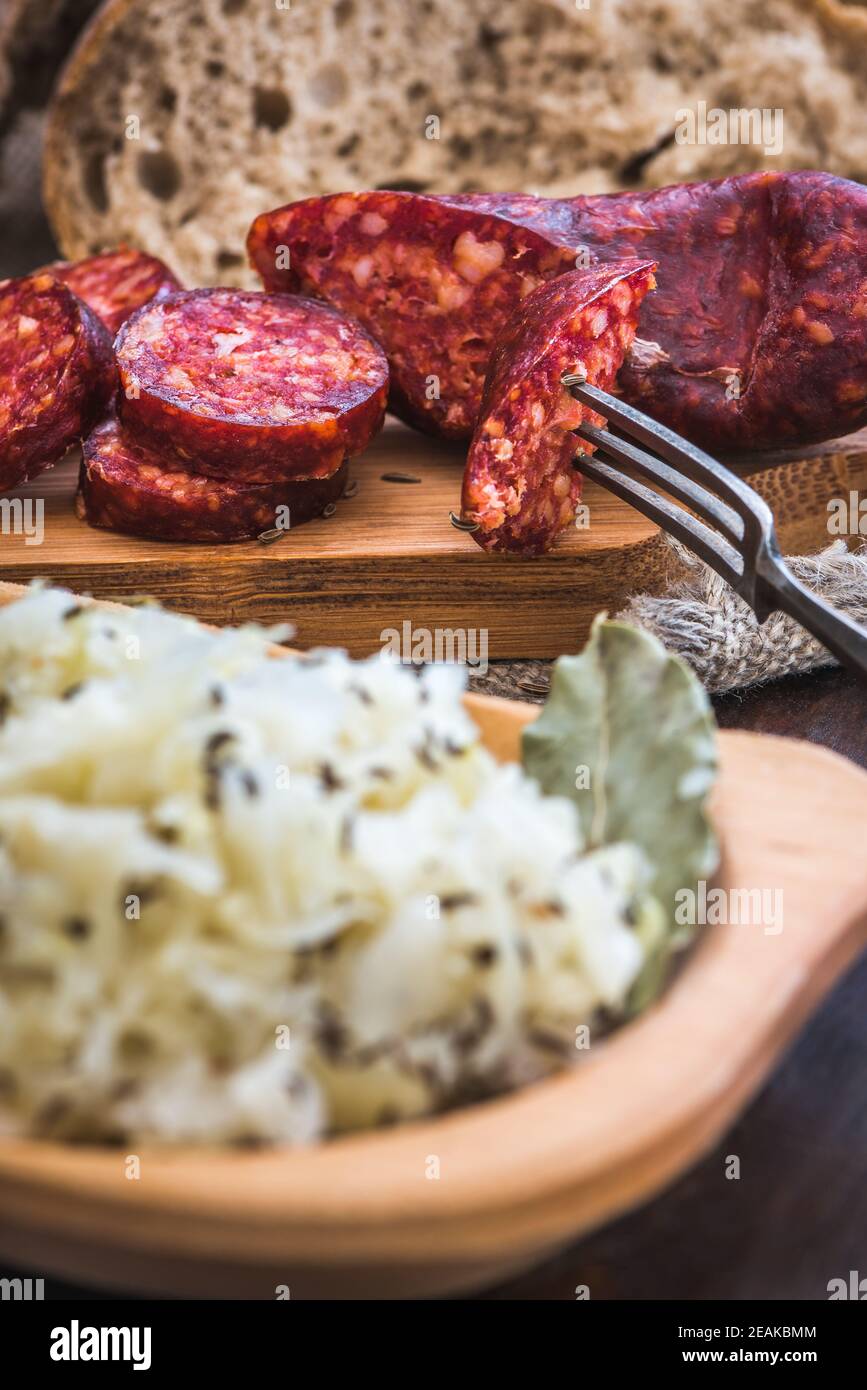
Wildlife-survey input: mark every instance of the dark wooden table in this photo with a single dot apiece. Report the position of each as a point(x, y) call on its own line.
point(798, 1215)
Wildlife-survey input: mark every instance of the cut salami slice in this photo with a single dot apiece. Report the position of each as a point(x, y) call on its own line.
point(124, 486)
point(521, 484)
point(433, 279)
point(757, 337)
point(256, 388)
point(116, 283)
point(57, 375)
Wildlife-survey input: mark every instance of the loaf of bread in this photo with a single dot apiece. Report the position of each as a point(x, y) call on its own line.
point(175, 123)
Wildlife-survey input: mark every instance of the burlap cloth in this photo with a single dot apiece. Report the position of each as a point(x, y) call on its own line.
point(705, 622)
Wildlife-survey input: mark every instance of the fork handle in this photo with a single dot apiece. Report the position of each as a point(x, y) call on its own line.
point(780, 589)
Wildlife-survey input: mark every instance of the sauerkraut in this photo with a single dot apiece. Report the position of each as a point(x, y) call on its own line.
point(247, 900)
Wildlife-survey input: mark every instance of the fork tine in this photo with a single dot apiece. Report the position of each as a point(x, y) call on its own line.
point(693, 495)
point(686, 457)
point(707, 544)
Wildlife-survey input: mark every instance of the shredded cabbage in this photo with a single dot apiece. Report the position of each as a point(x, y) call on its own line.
point(252, 900)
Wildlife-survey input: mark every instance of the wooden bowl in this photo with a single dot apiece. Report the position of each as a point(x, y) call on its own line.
point(519, 1177)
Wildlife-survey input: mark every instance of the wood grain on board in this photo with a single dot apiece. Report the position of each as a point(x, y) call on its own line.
point(389, 555)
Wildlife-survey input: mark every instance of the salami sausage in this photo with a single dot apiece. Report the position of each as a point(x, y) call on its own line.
point(124, 486)
point(116, 283)
point(521, 483)
point(756, 338)
point(758, 335)
point(433, 279)
point(251, 387)
point(57, 375)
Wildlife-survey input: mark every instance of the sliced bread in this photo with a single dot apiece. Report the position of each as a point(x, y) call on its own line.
point(175, 124)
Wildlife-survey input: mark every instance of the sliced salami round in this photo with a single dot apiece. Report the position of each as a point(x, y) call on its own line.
point(257, 388)
point(57, 375)
point(521, 483)
point(125, 486)
point(116, 283)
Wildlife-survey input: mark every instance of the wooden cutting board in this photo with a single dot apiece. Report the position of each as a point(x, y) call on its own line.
point(389, 555)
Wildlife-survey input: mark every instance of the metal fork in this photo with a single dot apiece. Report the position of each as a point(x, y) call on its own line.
point(733, 529)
